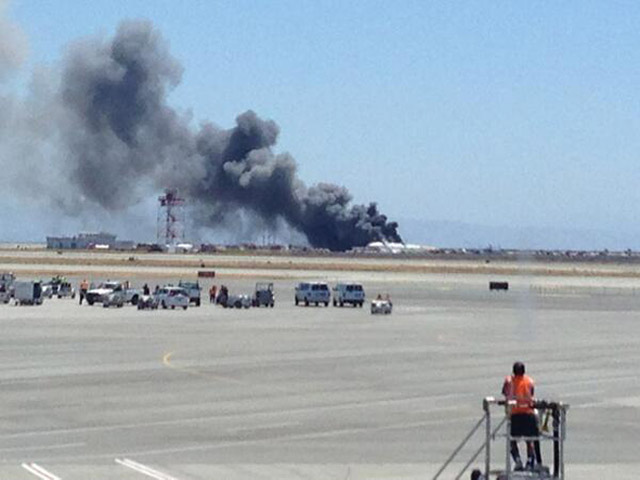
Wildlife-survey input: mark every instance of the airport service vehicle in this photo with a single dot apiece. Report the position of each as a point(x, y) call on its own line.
point(58, 287)
point(193, 290)
point(381, 305)
point(65, 289)
point(28, 293)
point(5, 294)
point(238, 300)
point(104, 290)
point(497, 428)
point(148, 302)
point(228, 300)
point(47, 290)
point(172, 297)
point(7, 278)
point(114, 299)
point(53, 286)
point(352, 293)
point(312, 292)
point(6, 286)
point(264, 295)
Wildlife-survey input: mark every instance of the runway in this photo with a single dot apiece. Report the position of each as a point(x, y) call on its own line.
point(312, 392)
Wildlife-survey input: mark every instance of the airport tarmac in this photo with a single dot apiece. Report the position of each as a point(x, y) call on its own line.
point(314, 392)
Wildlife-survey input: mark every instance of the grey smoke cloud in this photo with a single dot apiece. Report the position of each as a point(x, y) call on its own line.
point(13, 43)
point(119, 140)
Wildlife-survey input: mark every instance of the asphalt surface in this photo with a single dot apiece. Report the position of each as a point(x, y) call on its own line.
point(312, 392)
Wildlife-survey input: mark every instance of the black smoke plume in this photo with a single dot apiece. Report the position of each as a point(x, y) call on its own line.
point(121, 138)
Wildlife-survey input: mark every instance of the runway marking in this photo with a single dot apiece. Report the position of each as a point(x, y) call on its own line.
point(254, 428)
point(297, 357)
point(591, 405)
point(597, 381)
point(436, 409)
point(304, 436)
point(42, 447)
point(622, 402)
point(244, 415)
point(39, 472)
point(145, 470)
point(278, 438)
point(287, 437)
point(166, 360)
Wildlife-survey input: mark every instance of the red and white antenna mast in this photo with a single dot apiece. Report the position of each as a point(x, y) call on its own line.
point(171, 218)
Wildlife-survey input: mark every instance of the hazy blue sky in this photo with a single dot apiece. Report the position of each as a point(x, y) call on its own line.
point(498, 113)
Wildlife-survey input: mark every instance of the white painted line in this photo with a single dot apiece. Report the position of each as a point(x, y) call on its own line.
point(591, 405)
point(38, 468)
point(39, 472)
point(254, 428)
point(244, 415)
point(453, 408)
point(140, 468)
point(42, 447)
point(290, 437)
point(148, 471)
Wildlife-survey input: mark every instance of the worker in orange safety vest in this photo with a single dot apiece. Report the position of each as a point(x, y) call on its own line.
point(519, 388)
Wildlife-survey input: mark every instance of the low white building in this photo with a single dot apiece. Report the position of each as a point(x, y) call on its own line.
point(84, 241)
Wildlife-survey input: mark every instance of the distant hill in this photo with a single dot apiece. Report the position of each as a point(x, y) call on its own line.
point(441, 233)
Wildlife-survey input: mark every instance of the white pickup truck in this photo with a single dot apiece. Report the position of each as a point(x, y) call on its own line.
point(105, 293)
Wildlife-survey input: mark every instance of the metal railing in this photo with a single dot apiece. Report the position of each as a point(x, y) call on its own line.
point(558, 412)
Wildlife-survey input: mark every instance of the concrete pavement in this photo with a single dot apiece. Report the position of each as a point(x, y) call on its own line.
point(295, 392)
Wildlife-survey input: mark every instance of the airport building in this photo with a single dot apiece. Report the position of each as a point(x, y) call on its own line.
point(85, 241)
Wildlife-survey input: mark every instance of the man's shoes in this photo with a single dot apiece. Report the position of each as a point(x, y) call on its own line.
point(530, 464)
point(541, 469)
point(518, 467)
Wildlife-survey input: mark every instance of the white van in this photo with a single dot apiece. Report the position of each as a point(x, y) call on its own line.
point(313, 292)
point(352, 293)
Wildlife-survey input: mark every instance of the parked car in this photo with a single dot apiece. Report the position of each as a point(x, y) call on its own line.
point(193, 291)
point(114, 299)
point(148, 302)
point(58, 287)
point(47, 290)
point(381, 305)
point(264, 295)
point(6, 286)
point(351, 293)
point(228, 300)
point(65, 289)
point(172, 297)
point(238, 300)
point(50, 288)
point(312, 292)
